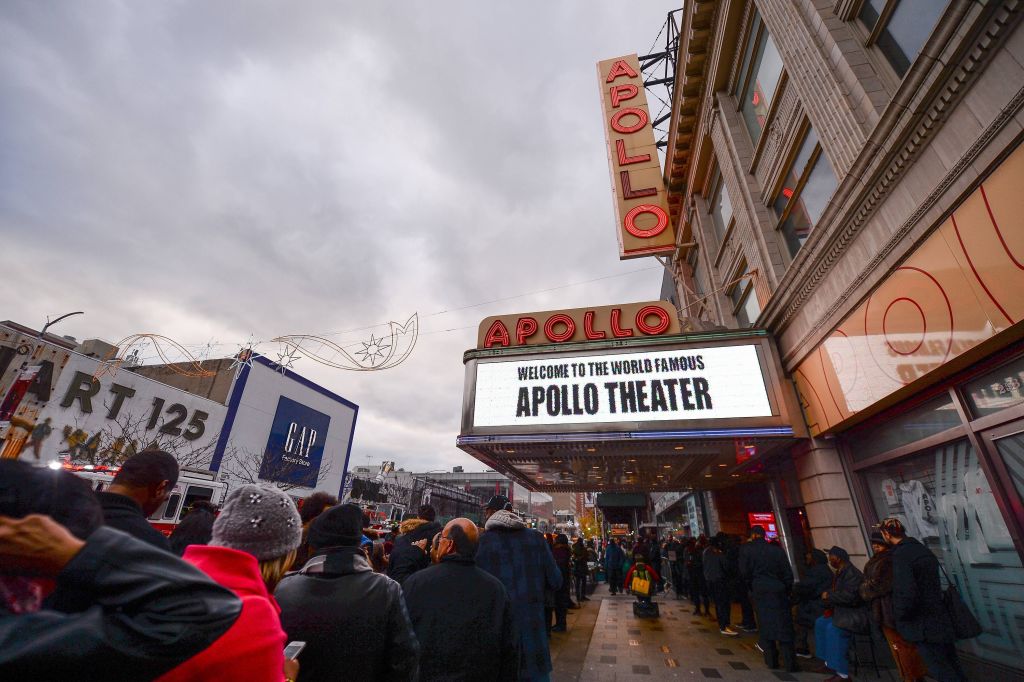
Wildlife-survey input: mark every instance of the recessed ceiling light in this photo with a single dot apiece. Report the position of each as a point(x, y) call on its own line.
point(735, 475)
point(591, 449)
point(666, 466)
point(707, 475)
point(679, 447)
point(723, 465)
point(557, 461)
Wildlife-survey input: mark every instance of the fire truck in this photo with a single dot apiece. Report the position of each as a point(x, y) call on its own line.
point(193, 485)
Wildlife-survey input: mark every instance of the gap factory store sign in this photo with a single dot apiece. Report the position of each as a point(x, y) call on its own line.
point(641, 205)
point(666, 385)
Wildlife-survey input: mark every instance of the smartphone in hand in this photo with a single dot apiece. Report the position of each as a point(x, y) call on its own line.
point(292, 651)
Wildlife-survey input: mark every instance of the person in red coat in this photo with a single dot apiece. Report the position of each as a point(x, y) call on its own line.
point(640, 567)
point(255, 539)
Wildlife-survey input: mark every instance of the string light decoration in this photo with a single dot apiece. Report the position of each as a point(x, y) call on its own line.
point(127, 353)
point(386, 352)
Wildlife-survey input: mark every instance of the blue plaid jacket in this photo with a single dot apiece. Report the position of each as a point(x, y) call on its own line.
point(520, 558)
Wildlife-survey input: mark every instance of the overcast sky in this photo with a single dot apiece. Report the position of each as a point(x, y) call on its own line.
point(215, 170)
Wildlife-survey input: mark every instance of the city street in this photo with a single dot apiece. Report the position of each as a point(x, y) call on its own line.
point(607, 643)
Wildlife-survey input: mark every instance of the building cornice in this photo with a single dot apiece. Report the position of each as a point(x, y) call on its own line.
point(926, 97)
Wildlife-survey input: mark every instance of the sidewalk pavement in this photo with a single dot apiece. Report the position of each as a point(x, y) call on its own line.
point(607, 643)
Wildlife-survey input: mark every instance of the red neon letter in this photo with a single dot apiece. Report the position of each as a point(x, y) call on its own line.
point(629, 193)
point(620, 93)
point(652, 330)
point(618, 331)
point(496, 334)
point(525, 327)
point(629, 222)
point(588, 327)
point(566, 334)
point(641, 121)
point(624, 160)
point(620, 68)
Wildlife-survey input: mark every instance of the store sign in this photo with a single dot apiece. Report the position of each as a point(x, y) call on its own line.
point(641, 207)
point(767, 521)
point(295, 447)
point(666, 385)
point(654, 318)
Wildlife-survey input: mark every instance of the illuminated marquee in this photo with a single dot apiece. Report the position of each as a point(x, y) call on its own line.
point(641, 207)
point(654, 318)
point(723, 382)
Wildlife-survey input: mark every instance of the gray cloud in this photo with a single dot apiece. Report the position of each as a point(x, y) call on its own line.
point(214, 170)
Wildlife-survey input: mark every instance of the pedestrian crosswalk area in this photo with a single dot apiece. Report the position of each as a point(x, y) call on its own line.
point(678, 645)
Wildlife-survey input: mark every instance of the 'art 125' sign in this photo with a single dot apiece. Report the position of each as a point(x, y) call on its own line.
point(295, 447)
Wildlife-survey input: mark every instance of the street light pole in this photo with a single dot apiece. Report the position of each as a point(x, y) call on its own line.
point(50, 323)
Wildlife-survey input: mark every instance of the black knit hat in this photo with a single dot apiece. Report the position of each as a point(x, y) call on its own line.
point(340, 526)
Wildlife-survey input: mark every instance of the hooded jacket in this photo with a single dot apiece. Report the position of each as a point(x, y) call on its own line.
point(406, 558)
point(146, 610)
point(252, 649)
point(354, 621)
point(520, 558)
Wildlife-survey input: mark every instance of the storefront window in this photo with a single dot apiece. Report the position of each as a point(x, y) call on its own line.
point(945, 501)
point(935, 416)
point(1011, 450)
point(997, 390)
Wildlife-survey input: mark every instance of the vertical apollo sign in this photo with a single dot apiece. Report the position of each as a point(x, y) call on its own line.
point(641, 207)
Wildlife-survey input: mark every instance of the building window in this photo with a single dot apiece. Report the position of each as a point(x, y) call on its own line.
point(697, 268)
point(721, 208)
point(899, 28)
point(758, 77)
point(805, 192)
point(746, 307)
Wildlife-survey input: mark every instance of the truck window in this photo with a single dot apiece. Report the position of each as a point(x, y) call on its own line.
point(171, 508)
point(194, 493)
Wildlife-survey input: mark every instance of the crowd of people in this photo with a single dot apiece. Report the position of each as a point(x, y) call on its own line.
point(91, 591)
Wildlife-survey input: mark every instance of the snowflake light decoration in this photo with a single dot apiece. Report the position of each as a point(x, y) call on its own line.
point(376, 354)
point(373, 350)
point(286, 359)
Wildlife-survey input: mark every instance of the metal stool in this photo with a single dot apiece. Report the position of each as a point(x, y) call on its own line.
point(860, 639)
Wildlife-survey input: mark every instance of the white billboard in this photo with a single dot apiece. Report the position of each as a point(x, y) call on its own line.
point(666, 385)
point(103, 419)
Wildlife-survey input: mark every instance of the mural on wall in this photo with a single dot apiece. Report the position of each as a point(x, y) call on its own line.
point(65, 412)
point(29, 369)
point(960, 287)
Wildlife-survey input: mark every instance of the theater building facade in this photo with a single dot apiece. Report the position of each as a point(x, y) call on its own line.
point(847, 175)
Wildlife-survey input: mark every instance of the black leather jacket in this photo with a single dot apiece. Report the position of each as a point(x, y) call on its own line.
point(144, 612)
point(354, 621)
point(849, 610)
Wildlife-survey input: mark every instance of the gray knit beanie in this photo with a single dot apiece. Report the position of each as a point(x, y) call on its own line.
point(261, 521)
